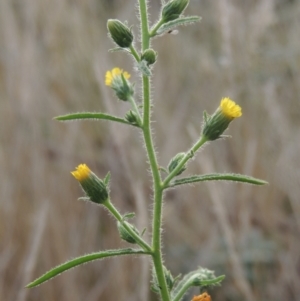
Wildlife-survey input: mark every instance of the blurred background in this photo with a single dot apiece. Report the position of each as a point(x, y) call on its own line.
point(53, 58)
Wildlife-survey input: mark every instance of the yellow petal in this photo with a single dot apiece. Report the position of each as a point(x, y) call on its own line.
point(81, 173)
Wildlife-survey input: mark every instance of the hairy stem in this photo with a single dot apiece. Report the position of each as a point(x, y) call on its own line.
point(114, 211)
point(157, 187)
point(187, 157)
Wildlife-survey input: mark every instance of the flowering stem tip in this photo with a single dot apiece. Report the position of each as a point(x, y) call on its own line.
point(117, 79)
point(215, 125)
point(94, 187)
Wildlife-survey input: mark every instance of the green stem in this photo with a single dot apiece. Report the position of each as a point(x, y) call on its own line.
point(144, 24)
point(134, 53)
point(114, 211)
point(187, 157)
point(155, 28)
point(157, 215)
point(136, 110)
point(183, 290)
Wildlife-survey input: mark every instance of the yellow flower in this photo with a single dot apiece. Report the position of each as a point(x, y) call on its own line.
point(230, 109)
point(95, 188)
point(215, 125)
point(202, 297)
point(81, 173)
point(113, 74)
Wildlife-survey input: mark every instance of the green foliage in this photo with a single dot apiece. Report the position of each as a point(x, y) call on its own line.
point(218, 177)
point(91, 116)
point(178, 22)
point(201, 277)
point(81, 260)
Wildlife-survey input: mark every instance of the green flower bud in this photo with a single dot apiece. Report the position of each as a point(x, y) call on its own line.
point(125, 235)
point(203, 276)
point(173, 9)
point(120, 33)
point(94, 188)
point(174, 162)
point(215, 125)
point(149, 56)
point(132, 118)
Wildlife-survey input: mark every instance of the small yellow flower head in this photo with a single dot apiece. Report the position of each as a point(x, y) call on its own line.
point(215, 125)
point(117, 79)
point(230, 109)
point(81, 173)
point(202, 297)
point(115, 74)
point(94, 188)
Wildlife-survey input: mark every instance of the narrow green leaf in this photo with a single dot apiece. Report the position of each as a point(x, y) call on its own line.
point(177, 22)
point(106, 180)
point(90, 115)
point(218, 177)
point(212, 282)
point(81, 260)
point(117, 49)
point(128, 215)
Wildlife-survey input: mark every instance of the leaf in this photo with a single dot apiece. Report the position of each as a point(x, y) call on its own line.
point(177, 22)
point(143, 67)
point(90, 115)
point(81, 260)
point(218, 177)
point(116, 49)
point(128, 215)
point(106, 180)
point(201, 277)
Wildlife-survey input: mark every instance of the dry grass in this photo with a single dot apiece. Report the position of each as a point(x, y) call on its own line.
point(52, 60)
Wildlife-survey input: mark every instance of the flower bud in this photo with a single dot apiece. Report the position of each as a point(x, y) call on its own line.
point(94, 188)
point(132, 118)
point(174, 162)
point(215, 125)
point(120, 33)
point(149, 55)
point(125, 235)
point(173, 9)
